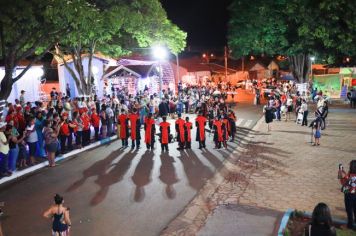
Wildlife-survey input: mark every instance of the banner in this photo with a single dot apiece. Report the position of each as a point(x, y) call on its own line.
point(330, 85)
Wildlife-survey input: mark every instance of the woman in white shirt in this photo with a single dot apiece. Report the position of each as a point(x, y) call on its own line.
point(32, 140)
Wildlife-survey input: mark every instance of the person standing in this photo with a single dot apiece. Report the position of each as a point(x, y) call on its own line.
point(64, 133)
point(165, 132)
point(104, 121)
point(218, 132)
point(51, 143)
point(134, 119)
point(60, 217)
point(187, 133)
point(180, 132)
point(39, 127)
point(225, 129)
point(232, 125)
point(304, 109)
point(86, 126)
point(32, 139)
point(95, 121)
point(150, 131)
point(200, 123)
point(163, 108)
point(124, 129)
point(317, 132)
point(22, 98)
point(4, 151)
point(348, 182)
point(268, 112)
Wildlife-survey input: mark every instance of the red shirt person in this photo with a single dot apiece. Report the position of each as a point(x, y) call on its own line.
point(95, 121)
point(200, 123)
point(218, 132)
point(165, 132)
point(180, 132)
point(124, 128)
point(150, 131)
point(134, 119)
point(187, 134)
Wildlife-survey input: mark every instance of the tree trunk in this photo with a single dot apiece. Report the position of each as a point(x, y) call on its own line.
point(300, 67)
point(6, 85)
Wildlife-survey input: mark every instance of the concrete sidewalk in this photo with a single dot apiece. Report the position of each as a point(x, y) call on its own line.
point(274, 171)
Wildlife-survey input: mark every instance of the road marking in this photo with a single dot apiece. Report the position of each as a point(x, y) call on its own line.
point(239, 121)
point(248, 123)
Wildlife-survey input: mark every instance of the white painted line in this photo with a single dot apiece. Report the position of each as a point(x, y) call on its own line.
point(239, 121)
point(248, 123)
point(59, 158)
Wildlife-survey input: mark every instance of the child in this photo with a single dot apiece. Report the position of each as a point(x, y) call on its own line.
point(317, 134)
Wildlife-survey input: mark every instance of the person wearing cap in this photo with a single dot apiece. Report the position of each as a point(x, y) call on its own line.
point(4, 151)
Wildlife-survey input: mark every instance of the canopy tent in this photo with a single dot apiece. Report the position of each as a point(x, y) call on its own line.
point(288, 77)
point(31, 82)
point(137, 75)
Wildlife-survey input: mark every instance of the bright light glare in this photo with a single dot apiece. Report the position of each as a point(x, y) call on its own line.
point(159, 52)
point(95, 70)
point(312, 58)
point(37, 71)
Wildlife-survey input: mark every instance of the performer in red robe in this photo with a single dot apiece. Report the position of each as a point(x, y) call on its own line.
point(187, 134)
point(218, 132)
point(200, 122)
point(180, 132)
point(150, 131)
point(135, 124)
point(124, 129)
point(232, 122)
point(165, 131)
point(225, 129)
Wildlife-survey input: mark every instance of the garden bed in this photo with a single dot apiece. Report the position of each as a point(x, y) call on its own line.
point(299, 220)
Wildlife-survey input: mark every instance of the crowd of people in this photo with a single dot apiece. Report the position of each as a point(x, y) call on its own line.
point(31, 131)
point(285, 99)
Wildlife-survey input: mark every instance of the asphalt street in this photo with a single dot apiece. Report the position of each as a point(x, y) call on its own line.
point(114, 191)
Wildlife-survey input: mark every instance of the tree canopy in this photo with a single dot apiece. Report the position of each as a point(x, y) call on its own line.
point(30, 28)
point(293, 28)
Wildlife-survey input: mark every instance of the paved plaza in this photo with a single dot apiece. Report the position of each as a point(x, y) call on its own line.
point(275, 171)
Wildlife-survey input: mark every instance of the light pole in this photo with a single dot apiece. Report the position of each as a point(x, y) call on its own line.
point(312, 59)
point(160, 53)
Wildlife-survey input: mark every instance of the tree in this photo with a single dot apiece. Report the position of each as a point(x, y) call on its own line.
point(295, 28)
point(28, 29)
point(106, 28)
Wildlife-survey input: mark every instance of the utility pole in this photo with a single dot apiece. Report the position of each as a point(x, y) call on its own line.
point(225, 56)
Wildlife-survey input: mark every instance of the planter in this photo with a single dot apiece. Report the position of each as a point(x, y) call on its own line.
point(294, 222)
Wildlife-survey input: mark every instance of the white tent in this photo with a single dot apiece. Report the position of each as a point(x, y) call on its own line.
point(30, 82)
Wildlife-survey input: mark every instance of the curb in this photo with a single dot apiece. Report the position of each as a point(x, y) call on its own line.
point(198, 209)
point(41, 165)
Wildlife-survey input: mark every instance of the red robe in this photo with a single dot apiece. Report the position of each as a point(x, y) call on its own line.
point(201, 121)
point(123, 125)
point(149, 122)
point(180, 123)
point(133, 120)
point(188, 126)
point(218, 129)
point(86, 122)
point(164, 132)
point(95, 119)
point(227, 128)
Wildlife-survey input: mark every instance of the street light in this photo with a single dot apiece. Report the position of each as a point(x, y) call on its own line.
point(160, 53)
point(312, 59)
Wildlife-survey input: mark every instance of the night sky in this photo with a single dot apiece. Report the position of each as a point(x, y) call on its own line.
point(205, 21)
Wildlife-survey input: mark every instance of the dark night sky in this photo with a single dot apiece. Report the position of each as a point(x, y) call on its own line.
point(205, 21)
